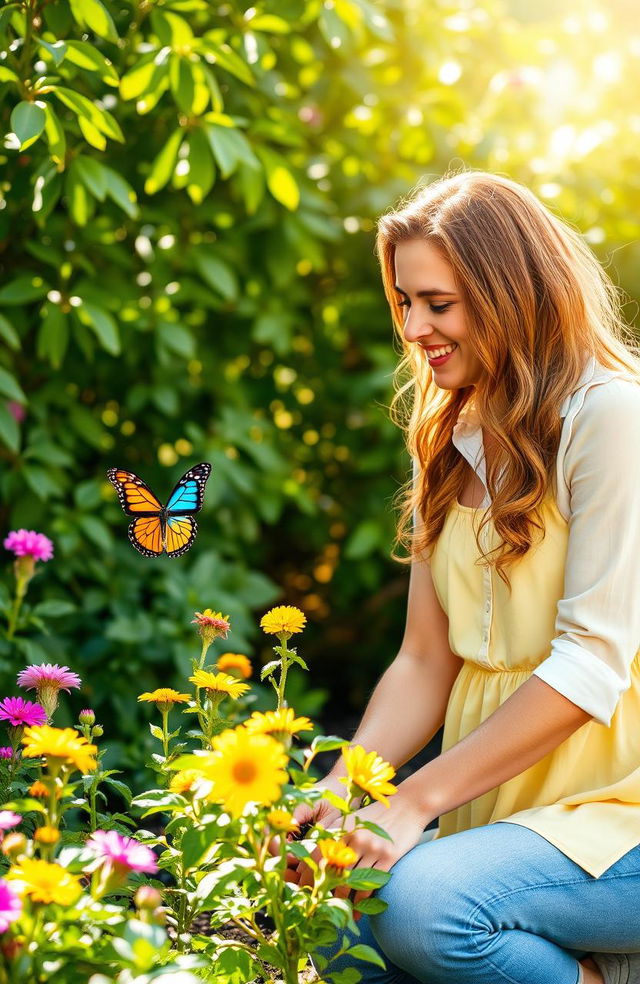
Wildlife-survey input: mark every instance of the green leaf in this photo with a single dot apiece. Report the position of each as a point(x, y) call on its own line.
point(225, 57)
point(84, 55)
point(270, 23)
point(27, 122)
point(95, 16)
point(10, 387)
point(216, 272)
point(365, 879)
point(6, 75)
point(81, 205)
point(23, 289)
point(201, 169)
point(121, 192)
point(156, 732)
point(164, 164)
point(269, 669)
point(197, 843)
point(121, 788)
point(230, 147)
point(54, 608)
point(92, 134)
point(93, 175)
point(88, 110)
point(26, 805)
point(171, 29)
point(55, 136)
point(371, 906)
point(327, 743)
point(53, 335)
point(280, 181)
point(8, 333)
point(103, 324)
point(363, 952)
point(9, 430)
point(375, 829)
point(139, 79)
point(182, 83)
point(57, 50)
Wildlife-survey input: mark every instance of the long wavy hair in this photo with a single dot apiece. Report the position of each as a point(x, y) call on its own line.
point(537, 305)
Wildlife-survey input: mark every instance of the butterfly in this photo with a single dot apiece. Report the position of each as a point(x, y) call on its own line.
point(157, 527)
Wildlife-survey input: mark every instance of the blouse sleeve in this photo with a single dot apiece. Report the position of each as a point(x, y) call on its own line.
point(598, 618)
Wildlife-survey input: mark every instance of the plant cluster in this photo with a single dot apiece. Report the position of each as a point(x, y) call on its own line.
point(92, 895)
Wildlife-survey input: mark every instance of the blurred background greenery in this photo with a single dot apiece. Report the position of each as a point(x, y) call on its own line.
point(188, 198)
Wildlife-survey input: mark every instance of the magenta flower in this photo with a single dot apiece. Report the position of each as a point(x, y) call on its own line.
point(122, 852)
point(48, 680)
point(9, 819)
point(10, 905)
point(28, 543)
point(6, 752)
point(20, 713)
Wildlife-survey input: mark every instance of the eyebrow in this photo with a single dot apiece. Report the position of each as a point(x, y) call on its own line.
point(431, 292)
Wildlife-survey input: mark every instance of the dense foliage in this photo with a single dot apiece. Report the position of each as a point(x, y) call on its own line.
point(187, 214)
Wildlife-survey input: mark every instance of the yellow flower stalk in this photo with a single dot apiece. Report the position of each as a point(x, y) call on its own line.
point(245, 768)
point(337, 854)
point(60, 746)
point(220, 683)
point(369, 773)
point(45, 881)
point(235, 664)
point(285, 620)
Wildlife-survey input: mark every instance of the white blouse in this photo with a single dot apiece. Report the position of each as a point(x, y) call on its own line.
point(598, 494)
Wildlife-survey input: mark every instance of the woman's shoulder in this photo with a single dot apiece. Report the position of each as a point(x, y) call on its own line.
point(602, 391)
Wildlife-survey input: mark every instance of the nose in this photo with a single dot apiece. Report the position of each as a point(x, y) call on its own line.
point(415, 329)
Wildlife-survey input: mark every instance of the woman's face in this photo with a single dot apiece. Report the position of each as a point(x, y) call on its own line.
point(435, 320)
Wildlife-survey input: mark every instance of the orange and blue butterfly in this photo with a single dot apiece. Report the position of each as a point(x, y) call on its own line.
point(157, 528)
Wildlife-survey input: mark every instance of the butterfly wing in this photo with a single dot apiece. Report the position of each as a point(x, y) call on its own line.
point(135, 497)
point(146, 535)
point(188, 493)
point(180, 534)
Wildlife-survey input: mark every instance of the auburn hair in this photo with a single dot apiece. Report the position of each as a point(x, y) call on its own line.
point(537, 304)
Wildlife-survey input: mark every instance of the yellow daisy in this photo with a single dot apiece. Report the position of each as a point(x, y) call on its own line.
point(220, 682)
point(245, 768)
point(46, 835)
point(369, 773)
point(337, 854)
point(283, 621)
point(165, 698)
point(282, 820)
point(45, 881)
point(184, 780)
point(280, 724)
point(235, 664)
point(60, 746)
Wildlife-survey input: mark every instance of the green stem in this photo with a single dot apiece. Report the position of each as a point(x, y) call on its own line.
point(165, 733)
point(25, 56)
point(93, 814)
point(21, 590)
point(282, 684)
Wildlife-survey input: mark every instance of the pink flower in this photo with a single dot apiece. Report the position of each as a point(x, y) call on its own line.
point(48, 680)
point(9, 819)
point(6, 752)
point(16, 410)
point(122, 852)
point(20, 713)
point(28, 543)
point(10, 905)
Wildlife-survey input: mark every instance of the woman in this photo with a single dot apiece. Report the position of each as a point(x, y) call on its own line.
point(523, 624)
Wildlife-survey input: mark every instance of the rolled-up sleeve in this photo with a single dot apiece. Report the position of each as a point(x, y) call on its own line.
point(598, 618)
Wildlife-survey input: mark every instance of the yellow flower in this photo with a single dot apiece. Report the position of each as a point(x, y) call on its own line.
point(284, 620)
point(369, 773)
point(46, 835)
point(220, 682)
point(337, 854)
point(282, 820)
point(182, 781)
point(235, 664)
point(245, 768)
point(280, 724)
point(164, 698)
point(212, 623)
point(39, 791)
point(44, 881)
point(61, 745)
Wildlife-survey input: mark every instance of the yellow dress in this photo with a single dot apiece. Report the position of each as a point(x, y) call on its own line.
point(584, 796)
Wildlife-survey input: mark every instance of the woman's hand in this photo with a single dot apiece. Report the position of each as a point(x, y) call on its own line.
point(404, 820)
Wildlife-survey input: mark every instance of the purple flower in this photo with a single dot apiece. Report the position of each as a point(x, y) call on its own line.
point(49, 674)
point(9, 819)
point(6, 752)
point(122, 852)
point(28, 543)
point(10, 905)
point(20, 713)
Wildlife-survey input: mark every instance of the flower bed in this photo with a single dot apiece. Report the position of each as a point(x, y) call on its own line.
point(89, 896)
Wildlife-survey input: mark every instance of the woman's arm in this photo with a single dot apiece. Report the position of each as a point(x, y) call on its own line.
point(409, 702)
point(529, 725)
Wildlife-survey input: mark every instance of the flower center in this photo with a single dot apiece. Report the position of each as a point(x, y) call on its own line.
point(244, 771)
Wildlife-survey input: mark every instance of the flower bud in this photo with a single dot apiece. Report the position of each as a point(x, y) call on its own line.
point(87, 716)
point(46, 835)
point(98, 731)
point(14, 844)
point(147, 897)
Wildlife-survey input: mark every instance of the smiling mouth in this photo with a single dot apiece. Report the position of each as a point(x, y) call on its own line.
point(441, 350)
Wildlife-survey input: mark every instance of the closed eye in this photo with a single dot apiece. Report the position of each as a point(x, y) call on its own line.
point(436, 308)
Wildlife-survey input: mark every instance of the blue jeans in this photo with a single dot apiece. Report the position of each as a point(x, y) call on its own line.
point(497, 904)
